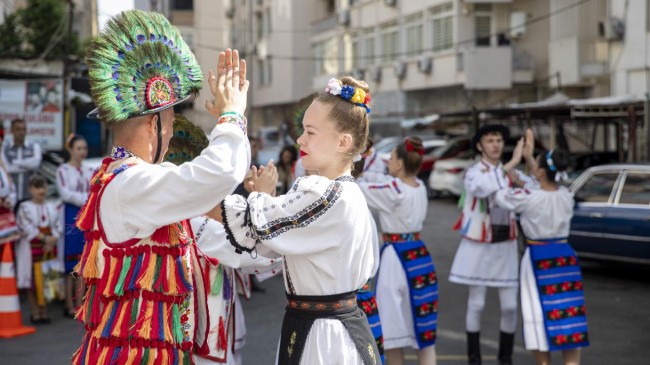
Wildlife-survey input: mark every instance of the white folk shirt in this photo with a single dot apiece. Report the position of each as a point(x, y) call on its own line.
point(323, 230)
point(146, 197)
point(29, 219)
point(73, 183)
point(402, 208)
point(21, 162)
point(7, 188)
point(544, 214)
point(212, 241)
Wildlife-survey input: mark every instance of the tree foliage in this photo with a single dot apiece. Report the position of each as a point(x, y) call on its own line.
point(39, 30)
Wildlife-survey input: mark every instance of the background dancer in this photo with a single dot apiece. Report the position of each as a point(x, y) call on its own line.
point(487, 255)
point(73, 181)
point(407, 286)
point(552, 296)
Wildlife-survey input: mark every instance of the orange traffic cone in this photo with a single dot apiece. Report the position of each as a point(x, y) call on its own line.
point(11, 323)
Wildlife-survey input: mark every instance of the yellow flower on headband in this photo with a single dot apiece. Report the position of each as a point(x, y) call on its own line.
point(359, 96)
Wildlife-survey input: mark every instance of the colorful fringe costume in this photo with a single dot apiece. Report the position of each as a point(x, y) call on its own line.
point(141, 306)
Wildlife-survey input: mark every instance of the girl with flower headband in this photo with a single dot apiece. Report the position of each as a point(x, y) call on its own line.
point(322, 228)
point(552, 296)
point(407, 288)
point(72, 182)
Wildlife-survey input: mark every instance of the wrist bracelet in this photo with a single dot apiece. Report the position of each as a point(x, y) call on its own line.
point(241, 122)
point(232, 113)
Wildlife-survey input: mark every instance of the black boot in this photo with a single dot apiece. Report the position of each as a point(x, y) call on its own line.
point(473, 348)
point(506, 344)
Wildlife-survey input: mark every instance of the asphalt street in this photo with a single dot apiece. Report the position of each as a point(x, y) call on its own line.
point(618, 305)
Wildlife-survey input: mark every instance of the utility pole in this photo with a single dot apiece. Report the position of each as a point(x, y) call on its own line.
point(67, 109)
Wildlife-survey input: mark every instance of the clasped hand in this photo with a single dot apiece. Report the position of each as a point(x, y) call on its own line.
point(263, 180)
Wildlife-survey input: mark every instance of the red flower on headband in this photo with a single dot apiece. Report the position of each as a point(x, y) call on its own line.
point(367, 99)
point(412, 148)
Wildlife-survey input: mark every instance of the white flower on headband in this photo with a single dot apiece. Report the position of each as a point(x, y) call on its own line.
point(357, 157)
point(333, 87)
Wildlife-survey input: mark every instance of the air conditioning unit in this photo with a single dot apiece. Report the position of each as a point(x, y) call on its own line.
point(425, 65)
point(390, 2)
point(611, 29)
point(400, 69)
point(375, 74)
point(517, 24)
point(230, 13)
point(344, 17)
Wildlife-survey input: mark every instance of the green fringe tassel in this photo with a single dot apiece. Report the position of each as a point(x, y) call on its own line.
point(461, 200)
point(176, 324)
point(186, 358)
point(145, 356)
point(481, 206)
point(134, 311)
point(119, 287)
point(157, 272)
point(217, 283)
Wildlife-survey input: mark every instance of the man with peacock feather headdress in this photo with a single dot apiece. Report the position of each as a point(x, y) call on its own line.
point(147, 288)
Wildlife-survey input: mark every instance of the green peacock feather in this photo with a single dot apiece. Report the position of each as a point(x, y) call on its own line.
point(294, 125)
point(187, 142)
point(135, 48)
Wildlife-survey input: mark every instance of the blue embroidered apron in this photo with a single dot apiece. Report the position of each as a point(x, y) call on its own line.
point(74, 238)
point(559, 282)
point(368, 303)
point(423, 283)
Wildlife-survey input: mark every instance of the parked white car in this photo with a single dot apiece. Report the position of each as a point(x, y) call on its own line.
point(447, 175)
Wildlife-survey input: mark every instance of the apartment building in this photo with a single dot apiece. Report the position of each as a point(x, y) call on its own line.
point(424, 56)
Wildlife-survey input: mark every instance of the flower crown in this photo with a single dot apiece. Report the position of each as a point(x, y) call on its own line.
point(355, 95)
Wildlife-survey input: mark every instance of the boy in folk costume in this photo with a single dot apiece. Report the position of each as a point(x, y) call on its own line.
point(210, 236)
point(487, 255)
point(147, 290)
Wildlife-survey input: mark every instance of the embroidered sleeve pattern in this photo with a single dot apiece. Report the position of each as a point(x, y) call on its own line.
point(302, 218)
point(262, 218)
point(513, 199)
point(236, 120)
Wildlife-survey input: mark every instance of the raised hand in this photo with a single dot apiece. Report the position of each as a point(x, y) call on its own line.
point(266, 180)
point(529, 145)
point(229, 87)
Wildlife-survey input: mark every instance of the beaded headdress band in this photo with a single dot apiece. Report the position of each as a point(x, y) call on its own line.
point(353, 94)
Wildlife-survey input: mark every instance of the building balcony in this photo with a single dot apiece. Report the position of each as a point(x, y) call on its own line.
point(578, 60)
point(487, 67)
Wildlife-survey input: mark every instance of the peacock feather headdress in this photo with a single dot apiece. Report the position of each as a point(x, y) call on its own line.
point(140, 65)
point(187, 142)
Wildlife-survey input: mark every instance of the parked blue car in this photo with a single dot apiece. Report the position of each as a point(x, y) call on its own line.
point(611, 220)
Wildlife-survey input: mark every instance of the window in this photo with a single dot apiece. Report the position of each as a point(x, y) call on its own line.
point(355, 50)
point(264, 72)
point(183, 5)
point(259, 25)
point(442, 26)
point(414, 34)
point(368, 57)
point(598, 188)
point(636, 189)
point(326, 54)
point(482, 24)
point(319, 53)
point(389, 42)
